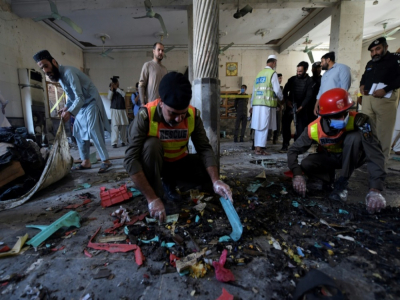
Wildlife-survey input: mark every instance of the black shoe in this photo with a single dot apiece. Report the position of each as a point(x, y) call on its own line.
point(241, 139)
point(235, 139)
point(170, 192)
point(114, 146)
point(274, 141)
point(123, 144)
point(339, 192)
point(284, 149)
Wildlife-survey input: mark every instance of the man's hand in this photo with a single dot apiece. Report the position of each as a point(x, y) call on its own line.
point(299, 184)
point(60, 111)
point(359, 100)
point(290, 104)
point(299, 109)
point(66, 115)
point(374, 201)
point(316, 108)
point(379, 93)
point(157, 210)
point(362, 90)
point(250, 110)
point(223, 190)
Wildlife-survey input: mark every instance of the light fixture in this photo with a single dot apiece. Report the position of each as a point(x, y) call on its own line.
point(375, 2)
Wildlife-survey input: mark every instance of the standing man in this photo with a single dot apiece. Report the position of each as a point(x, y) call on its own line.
point(336, 76)
point(158, 156)
point(381, 104)
point(298, 91)
point(152, 73)
point(316, 71)
point(84, 103)
point(135, 98)
point(346, 140)
point(119, 117)
point(266, 92)
point(279, 110)
point(241, 114)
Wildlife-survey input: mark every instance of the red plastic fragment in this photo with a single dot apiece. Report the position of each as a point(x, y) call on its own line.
point(5, 249)
point(139, 257)
point(222, 274)
point(225, 295)
point(73, 206)
point(87, 253)
point(113, 248)
point(114, 196)
point(288, 174)
point(59, 249)
point(132, 221)
point(172, 259)
point(146, 276)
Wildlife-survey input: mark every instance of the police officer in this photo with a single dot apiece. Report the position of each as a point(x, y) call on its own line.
point(345, 141)
point(380, 104)
point(157, 155)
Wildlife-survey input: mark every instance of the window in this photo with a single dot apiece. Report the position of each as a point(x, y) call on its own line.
point(57, 98)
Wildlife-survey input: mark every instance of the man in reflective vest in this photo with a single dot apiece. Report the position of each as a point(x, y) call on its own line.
point(157, 156)
point(345, 141)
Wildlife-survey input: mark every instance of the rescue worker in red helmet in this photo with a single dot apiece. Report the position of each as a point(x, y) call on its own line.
point(157, 156)
point(345, 141)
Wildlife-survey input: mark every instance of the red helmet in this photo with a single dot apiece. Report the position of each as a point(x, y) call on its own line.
point(334, 101)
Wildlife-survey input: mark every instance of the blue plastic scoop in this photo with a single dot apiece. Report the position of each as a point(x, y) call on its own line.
point(237, 228)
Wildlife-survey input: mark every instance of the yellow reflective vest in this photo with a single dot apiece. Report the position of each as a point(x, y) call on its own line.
point(264, 92)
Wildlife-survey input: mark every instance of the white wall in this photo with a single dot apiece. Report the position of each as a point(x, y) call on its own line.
point(20, 40)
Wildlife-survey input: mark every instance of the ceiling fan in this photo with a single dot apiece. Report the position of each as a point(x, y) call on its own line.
point(167, 50)
point(151, 14)
point(105, 53)
point(242, 12)
point(57, 16)
point(309, 50)
point(387, 35)
point(221, 51)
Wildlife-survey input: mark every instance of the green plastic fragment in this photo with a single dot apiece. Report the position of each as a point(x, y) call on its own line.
point(69, 219)
point(295, 204)
point(83, 186)
point(135, 192)
point(224, 238)
point(342, 211)
point(316, 245)
point(167, 245)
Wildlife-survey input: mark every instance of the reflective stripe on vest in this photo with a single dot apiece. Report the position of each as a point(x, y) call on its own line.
point(331, 143)
point(264, 92)
point(174, 140)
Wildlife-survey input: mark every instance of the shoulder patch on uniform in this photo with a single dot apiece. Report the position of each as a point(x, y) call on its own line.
point(198, 113)
point(143, 114)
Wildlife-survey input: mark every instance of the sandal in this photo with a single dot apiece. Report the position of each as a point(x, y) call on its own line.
point(104, 167)
point(261, 153)
point(80, 168)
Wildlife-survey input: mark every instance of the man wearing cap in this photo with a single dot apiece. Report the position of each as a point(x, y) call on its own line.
point(379, 85)
point(157, 156)
point(336, 76)
point(346, 140)
point(84, 103)
point(152, 73)
point(266, 92)
point(119, 117)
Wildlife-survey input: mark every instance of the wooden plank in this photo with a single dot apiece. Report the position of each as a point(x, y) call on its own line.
point(11, 172)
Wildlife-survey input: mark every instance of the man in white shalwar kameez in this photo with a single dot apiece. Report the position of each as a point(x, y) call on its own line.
point(84, 102)
point(266, 92)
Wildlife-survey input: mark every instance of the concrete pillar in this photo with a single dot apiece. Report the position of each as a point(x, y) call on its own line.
point(190, 47)
point(206, 85)
point(346, 37)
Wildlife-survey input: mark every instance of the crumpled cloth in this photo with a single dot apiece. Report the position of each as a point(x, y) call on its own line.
point(222, 274)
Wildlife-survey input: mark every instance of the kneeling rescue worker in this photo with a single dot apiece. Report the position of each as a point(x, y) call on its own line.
point(345, 141)
point(157, 156)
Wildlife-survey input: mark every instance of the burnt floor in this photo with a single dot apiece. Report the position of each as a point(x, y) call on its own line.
point(269, 212)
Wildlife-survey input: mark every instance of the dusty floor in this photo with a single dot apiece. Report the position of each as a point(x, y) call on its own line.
point(68, 273)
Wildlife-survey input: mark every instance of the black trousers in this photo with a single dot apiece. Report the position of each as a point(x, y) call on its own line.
point(323, 165)
point(240, 118)
point(287, 118)
point(188, 171)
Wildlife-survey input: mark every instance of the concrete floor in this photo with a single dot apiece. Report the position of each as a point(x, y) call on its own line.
point(68, 274)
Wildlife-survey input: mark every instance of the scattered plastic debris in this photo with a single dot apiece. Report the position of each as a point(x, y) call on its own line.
point(155, 239)
point(169, 219)
point(82, 186)
point(342, 211)
point(222, 274)
point(275, 243)
point(349, 238)
point(114, 196)
point(237, 228)
point(74, 206)
point(225, 295)
point(17, 249)
point(224, 238)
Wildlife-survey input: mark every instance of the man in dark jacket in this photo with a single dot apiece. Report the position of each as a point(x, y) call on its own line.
point(241, 114)
point(298, 91)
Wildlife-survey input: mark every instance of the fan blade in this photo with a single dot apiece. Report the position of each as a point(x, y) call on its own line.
point(168, 49)
point(311, 57)
point(108, 51)
point(42, 18)
point(72, 24)
point(147, 4)
point(53, 7)
point(392, 32)
point(245, 10)
point(158, 16)
point(305, 49)
point(389, 38)
point(226, 47)
point(140, 17)
point(314, 46)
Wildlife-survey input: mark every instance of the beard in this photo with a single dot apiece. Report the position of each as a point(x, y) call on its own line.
point(324, 67)
point(54, 75)
point(159, 57)
point(378, 57)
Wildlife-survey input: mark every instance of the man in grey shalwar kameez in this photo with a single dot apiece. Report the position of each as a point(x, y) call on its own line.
point(84, 102)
